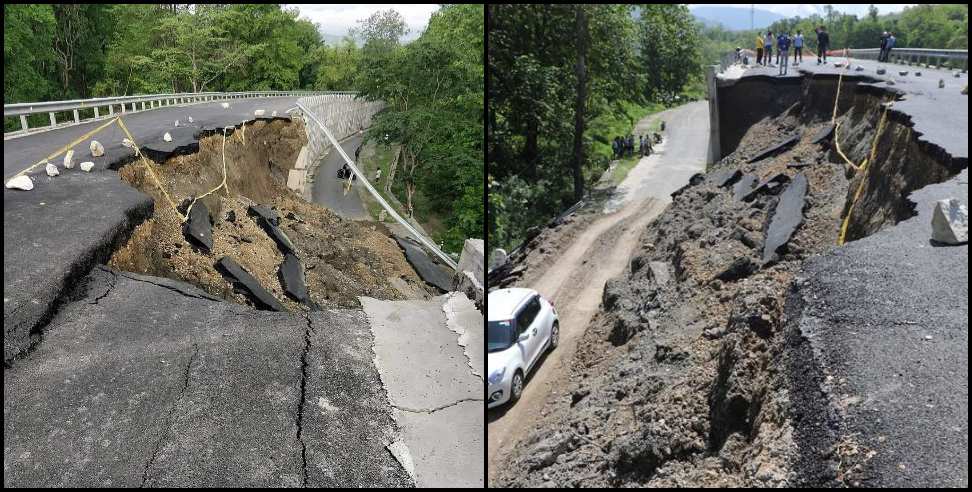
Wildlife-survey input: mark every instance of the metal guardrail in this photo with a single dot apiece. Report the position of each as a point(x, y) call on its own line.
point(381, 200)
point(147, 101)
point(911, 56)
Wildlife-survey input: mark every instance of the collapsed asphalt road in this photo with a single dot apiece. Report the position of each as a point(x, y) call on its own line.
point(57, 231)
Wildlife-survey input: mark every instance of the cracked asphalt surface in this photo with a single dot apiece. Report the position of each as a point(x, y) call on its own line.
point(147, 381)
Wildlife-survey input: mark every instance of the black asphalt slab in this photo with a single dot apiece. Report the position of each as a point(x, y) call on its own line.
point(776, 149)
point(787, 216)
point(328, 189)
point(742, 187)
point(55, 232)
point(887, 320)
point(245, 282)
point(145, 381)
point(426, 266)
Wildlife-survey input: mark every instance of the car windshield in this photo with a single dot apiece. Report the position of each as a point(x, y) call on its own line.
point(499, 335)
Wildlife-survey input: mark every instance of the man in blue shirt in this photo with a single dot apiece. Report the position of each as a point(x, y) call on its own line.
point(798, 47)
point(887, 48)
point(783, 51)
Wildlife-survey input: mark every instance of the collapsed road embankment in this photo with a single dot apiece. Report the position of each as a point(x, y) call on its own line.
point(740, 346)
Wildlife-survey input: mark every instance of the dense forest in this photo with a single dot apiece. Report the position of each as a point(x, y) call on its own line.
point(558, 75)
point(433, 85)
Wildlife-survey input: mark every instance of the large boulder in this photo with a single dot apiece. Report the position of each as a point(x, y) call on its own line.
point(97, 150)
point(950, 222)
point(69, 159)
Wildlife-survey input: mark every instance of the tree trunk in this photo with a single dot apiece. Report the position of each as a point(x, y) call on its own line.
point(530, 152)
point(580, 71)
point(391, 170)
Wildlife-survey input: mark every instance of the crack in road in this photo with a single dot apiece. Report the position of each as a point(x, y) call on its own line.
point(173, 289)
point(168, 417)
point(436, 409)
point(300, 404)
point(111, 285)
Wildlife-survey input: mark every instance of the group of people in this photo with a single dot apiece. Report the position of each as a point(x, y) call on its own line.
point(624, 146)
point(783, 41)
point(887, 42)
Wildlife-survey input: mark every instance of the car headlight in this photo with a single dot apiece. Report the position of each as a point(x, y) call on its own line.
point(496, 376)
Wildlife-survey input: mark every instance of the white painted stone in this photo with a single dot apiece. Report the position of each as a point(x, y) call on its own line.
point(167, 137)
point(127, 143)
point(497, 258)
point(274, 113)
point(224, 105)
point(97, 150)
point(177, 123)
point(51, 170)
point(69, 159)
point(22, 182)
point(259, 112)
point(190, 119)
point(950, 222)
point(87, 166)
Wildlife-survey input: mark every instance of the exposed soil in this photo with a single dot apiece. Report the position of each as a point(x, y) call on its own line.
point(342, 259)
point(678, 379)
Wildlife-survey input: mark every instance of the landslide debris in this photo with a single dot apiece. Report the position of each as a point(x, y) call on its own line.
point(681, 379)
point(341, 259)
point(675, 382)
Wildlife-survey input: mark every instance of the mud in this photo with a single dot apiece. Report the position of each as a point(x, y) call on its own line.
point(342, 259)
point(684, 381)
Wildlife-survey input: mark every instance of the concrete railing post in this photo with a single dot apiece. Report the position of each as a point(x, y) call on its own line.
point(76, 119)
point(23, 122)
point(53, 121)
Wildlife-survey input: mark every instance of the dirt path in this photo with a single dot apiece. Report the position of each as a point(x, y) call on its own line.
point(575, 281)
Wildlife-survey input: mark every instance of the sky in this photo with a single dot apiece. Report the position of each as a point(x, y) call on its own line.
point(337, 19)
point(804, 10)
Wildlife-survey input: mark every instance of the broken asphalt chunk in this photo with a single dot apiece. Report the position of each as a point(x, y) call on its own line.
point(241, 278)
point(787, 217)
point(278, 236)
point(695, 180)
point(264, 212)
point(743, 186)
point(198, 229)
point(292, 278)
point(776, 148)
point(768, 185)
point(824, 134)
point(726, 178)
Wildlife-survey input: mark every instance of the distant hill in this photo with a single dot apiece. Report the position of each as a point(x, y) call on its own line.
point(734, 18)
point(333, 39)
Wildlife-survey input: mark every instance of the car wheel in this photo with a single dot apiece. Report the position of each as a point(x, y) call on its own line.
point(554, 335)
point(516, 387)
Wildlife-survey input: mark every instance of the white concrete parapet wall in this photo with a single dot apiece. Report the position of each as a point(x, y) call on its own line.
point(344, 115)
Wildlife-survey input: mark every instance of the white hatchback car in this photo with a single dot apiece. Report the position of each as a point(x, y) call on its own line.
point(522, 325)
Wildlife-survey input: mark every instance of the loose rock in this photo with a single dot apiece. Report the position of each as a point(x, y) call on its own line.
point(69, 159)
point(127, 143)
point(51, 170)
point(167, 137)
point(259, 112)
point(881, 71)
point(224, 105)
point(950, 222)
point(941, 83)
point(22, 182)
point(97, 150)
point(87, 166)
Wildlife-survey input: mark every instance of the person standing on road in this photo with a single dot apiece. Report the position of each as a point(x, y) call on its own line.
point(823, 43)
point(614, 147)
point(768, 42)
point(887, 48)
point(798, 47)
point(784, 52)
point(378, 175)
point(759, 49)
point(884, 45)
